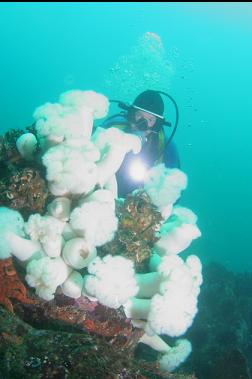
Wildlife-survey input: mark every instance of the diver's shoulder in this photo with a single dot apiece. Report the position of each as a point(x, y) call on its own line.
point(114, 120)
point(170, 145)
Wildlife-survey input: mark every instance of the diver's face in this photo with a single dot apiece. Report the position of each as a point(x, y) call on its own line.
point(150, 118)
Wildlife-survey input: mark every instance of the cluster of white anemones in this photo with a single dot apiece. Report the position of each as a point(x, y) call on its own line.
point(56, 246)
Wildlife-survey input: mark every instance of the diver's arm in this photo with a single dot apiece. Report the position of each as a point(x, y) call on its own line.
point(118, 121)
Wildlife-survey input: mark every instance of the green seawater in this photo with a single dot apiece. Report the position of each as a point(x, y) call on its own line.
point(202, 56)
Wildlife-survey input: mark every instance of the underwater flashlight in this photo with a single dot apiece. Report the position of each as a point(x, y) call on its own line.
point(137, 170)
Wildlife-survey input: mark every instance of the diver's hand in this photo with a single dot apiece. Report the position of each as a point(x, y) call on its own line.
point(142, 135)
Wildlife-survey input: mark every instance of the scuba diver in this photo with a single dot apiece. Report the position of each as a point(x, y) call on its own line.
point(144, 118)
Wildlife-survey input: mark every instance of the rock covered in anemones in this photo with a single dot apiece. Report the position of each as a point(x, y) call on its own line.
point(46, 274)
point(71, 118)
point(69, 171)
point(112, 281)
point(47, 230)
point(164, 186)
point(97, 103)
point(177, 233)
point(95, 221)
point(113, 144)
point(10, 221)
